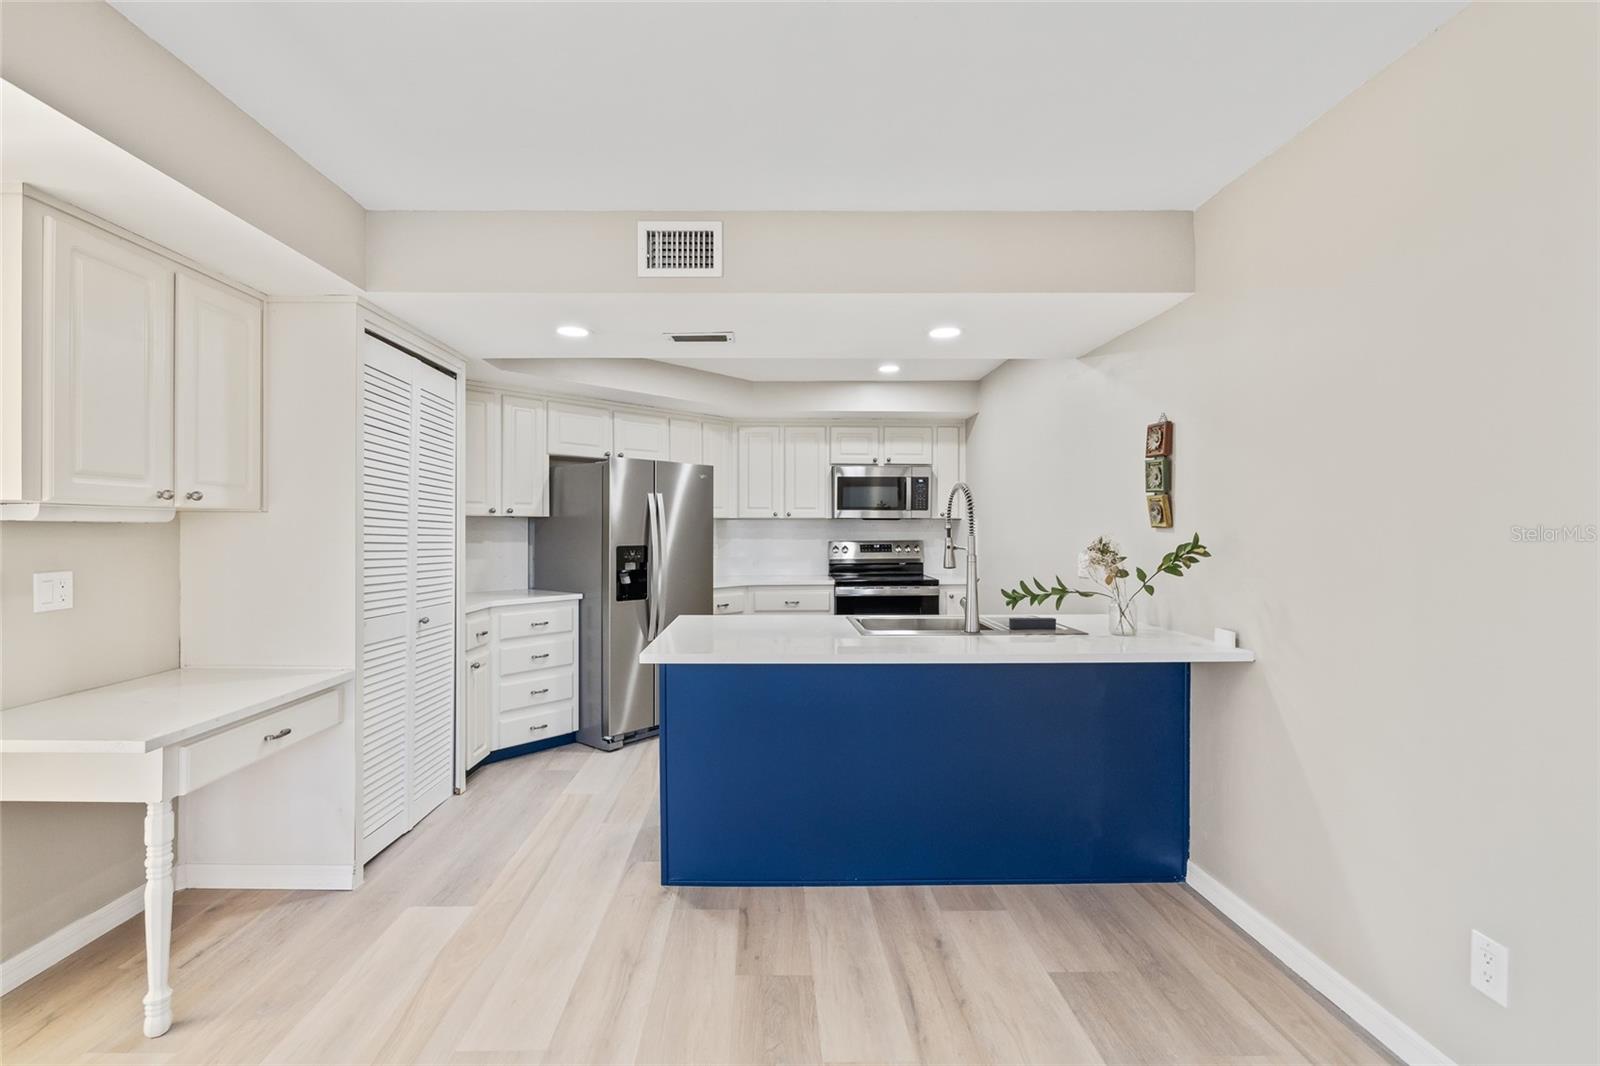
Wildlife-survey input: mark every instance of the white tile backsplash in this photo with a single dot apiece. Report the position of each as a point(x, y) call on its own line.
point(766, 547)
point(497, 554)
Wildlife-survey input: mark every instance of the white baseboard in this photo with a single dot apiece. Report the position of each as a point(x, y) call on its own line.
point(32, 961)
point(1405, 1042)
point(226, 875)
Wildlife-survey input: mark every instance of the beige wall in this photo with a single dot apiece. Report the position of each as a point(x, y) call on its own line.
point(1389, 362)
point(88, 62)
point(58, 862)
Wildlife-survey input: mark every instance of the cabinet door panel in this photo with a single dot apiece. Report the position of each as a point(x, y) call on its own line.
point(524, 463)
point(639, 436)
point(907, 444)
point(806, 487)
point(947, 466)
point(761, 469)
point(579, 430)
point(480, 454)
point(217, 425)
point(686, 445)
point(853, 445)
point(107, 311)
point(720, 450)
point(480, 712)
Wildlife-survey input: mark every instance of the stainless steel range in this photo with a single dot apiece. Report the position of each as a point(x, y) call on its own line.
point(880, 577)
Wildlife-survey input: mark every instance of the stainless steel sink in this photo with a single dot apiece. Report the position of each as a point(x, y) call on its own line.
point(909, 625)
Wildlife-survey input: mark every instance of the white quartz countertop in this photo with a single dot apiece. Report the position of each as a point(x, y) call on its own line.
point(821, 638)
point(482, 601)
point(733, 581)
point(159, 710)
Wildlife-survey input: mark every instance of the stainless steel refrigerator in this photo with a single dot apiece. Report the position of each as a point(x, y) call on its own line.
point(634, 536)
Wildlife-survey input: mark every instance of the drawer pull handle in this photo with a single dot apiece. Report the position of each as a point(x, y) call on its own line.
point(480, 634)
point(423, 620)
point(196, 495)
point(538, 692)
point(722, 606)
point(279, 735)
point(536, 625)
point(477, 665)
point(541, 655)
point(791, 603)
point(536, 728)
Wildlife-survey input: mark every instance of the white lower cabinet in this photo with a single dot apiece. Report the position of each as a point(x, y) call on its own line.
point(530, 682)
point(776, 599)
point(729, 601)
point(480, 705)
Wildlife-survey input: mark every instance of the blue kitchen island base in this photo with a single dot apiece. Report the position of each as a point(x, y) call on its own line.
point(861, 774)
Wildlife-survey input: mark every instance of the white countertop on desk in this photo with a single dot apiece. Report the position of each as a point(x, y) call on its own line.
point(482, 601)
point(791, 639)
point(159, 710)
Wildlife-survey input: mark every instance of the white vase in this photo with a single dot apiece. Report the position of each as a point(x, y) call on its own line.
point(1123, 621)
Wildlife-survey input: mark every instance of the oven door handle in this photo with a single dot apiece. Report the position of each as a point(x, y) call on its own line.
point(909, 590)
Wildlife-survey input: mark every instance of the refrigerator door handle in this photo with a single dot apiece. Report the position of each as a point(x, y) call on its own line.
point(654, 504)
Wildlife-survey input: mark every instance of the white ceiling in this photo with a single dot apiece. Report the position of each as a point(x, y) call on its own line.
point(779, 106)
point(785, 336)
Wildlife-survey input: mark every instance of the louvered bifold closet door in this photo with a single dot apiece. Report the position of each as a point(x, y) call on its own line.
point(408, 543)
point(433, 730)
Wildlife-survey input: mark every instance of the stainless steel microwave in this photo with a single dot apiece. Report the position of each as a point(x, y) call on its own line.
point(883, 492)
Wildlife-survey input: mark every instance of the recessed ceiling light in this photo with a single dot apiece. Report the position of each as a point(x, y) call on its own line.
point(944, 333)
point(889, 368)
point(573, 331)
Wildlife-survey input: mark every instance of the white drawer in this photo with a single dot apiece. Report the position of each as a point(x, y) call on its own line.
point(536, 653)
point(236, 747)
point(810, 598)
point(729, 601)
point(477, 629)
point(533, 621)
point(530, 690)
point(540, 723)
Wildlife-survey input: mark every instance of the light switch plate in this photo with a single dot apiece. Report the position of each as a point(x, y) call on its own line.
point(52, 591)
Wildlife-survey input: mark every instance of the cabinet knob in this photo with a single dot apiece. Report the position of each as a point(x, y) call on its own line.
point(164, 494)
point(492, 510)
point(509, 510)
point(423, 620)
point(607, 455)
point(774, 514)
point(481, 633)
point(195, 495)
point(476, 665)
point(788, 514)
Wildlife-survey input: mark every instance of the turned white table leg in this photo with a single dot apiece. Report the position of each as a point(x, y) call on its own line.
point(157, 916)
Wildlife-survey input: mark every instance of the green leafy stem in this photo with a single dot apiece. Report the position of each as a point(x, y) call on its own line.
point(1175, 562)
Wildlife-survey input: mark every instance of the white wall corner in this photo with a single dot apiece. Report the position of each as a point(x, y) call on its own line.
point(1383, 1026)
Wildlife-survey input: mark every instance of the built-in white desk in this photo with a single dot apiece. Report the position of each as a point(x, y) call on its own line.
point(153, 739)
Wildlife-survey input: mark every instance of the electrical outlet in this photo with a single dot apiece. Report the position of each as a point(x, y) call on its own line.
point(1490, 967)
point(52, 591)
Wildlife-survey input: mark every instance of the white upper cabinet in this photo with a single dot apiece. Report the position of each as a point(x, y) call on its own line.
point(636, 435)
point(107, 309)
point(905, 445)
point(807, 489)
point(217, 421)
point(480, 454)
point(947, 464)
point(686, 445)
point(718, 448)
point(524, 463)
point(761, 468)
point(854, 445)
point(580, 430)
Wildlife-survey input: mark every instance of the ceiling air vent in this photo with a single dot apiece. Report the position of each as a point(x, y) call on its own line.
point(703, 337)
point(680, 249)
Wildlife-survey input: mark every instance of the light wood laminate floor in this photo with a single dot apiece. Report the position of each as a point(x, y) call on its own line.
point(524, 922)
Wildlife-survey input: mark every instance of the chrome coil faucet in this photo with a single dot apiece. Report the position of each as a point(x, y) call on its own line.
point(970, 602)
